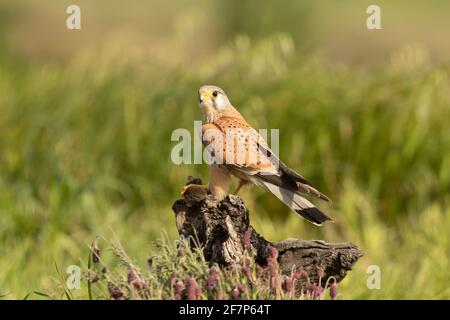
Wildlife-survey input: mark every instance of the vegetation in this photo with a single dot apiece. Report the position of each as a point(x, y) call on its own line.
point(180, 272)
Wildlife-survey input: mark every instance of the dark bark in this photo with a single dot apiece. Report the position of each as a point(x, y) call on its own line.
point(219, 228)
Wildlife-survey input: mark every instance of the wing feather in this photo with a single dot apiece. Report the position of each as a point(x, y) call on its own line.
point(268, 171)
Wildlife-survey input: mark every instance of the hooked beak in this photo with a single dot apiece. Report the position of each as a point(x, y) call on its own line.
point(205, 97)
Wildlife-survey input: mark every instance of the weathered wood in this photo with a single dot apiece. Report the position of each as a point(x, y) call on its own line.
point(220, 229)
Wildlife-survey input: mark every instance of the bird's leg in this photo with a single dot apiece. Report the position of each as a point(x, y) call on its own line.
point(241, 184)
point(219, 180)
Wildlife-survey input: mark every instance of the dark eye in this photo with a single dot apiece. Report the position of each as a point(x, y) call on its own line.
point(215, 93)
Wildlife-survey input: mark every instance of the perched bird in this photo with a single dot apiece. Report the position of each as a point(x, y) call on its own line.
point(235, 148)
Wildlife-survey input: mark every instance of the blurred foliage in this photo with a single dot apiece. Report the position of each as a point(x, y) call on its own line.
point(85, 132)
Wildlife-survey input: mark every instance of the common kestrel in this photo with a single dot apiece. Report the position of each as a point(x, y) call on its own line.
point(235, 148)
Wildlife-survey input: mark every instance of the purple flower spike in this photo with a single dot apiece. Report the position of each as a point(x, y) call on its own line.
point(193, 290)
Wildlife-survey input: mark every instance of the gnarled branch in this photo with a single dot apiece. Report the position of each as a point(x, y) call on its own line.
point(218, 227)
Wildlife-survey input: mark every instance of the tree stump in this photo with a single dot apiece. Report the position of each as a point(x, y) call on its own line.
point(223, 230)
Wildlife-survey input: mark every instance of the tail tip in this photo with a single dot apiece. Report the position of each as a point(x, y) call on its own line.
point(314, 215)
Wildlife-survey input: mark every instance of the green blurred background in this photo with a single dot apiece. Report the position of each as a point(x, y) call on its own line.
point(86, 118)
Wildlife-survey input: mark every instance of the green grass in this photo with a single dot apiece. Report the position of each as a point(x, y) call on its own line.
point(85, 149)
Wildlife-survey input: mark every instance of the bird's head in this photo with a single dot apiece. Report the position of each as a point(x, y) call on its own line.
point(213, 101)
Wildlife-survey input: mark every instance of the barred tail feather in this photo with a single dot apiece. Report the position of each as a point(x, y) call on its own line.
point(296, 202)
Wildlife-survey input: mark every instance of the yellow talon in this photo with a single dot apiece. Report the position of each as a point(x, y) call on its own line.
point(195, 186)
point(183, 190)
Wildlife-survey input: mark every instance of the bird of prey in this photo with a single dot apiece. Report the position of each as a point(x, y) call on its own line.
point(235, 148)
